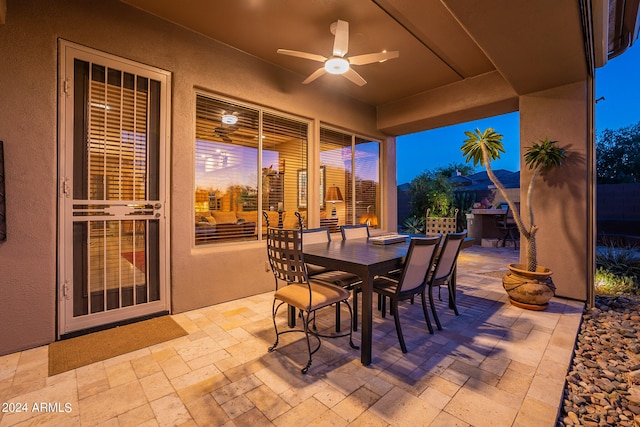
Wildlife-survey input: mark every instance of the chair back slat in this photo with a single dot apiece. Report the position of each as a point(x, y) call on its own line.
point(506, 218)
point(284, 249)
point(418, 263)
point(300, 220)
point(449, 254)
point(360, 231)
point(440, 225)
point(316, 235)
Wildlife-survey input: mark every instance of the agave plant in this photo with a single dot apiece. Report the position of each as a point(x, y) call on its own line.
point(414, 225)
point(484, 147)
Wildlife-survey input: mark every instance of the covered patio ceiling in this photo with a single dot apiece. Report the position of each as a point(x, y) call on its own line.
point(510, 48)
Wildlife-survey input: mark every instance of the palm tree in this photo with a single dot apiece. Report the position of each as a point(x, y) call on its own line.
point(484, 147)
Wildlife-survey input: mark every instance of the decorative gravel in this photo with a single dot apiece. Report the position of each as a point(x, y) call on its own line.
point(603, 382)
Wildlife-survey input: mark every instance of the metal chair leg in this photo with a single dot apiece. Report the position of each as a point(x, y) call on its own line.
point(394, 306)
point(306, 332)
point(274, 310)
point(426, 313)
point(383, 306)
point(355, 309)
point(433, 308)
point(452, 298)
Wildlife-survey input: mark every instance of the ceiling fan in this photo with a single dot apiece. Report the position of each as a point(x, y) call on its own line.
point(337, 63)
point(228, 125)
point(224, 132)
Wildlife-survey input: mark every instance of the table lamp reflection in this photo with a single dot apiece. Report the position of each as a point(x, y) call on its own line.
point(334, 195)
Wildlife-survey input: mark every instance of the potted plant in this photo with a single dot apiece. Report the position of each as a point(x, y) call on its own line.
point(529, 286)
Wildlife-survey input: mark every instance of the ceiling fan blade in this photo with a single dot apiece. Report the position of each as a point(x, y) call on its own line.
point(373, 57)
point(305, 55)
point(341, 41)
point(317, 73)
point(355, 77)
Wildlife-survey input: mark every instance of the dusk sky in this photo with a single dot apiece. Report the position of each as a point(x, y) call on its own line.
point(617, 81)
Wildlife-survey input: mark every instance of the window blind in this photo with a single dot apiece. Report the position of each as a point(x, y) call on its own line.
point(284, 165)
point(117, 149)
point(231, 190)
point(335, 156)
point(353, 165)
point(367, 182)
point(226, 158)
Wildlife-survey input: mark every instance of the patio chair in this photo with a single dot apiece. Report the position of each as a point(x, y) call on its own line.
point(412, 281)
point(444, 271)
point(440, 225)
point(316, 235)
point(359, 231)
point(348, 281)
point(507, 225)
point(284, 250)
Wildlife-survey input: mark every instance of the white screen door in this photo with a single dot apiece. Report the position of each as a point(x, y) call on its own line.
point(113, 234)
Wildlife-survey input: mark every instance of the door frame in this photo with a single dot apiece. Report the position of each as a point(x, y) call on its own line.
point(67, 51)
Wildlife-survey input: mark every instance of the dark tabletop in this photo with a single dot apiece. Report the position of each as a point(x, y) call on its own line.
point(356, 251)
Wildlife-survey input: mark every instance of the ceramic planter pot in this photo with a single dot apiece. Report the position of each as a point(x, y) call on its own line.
point(531, 290)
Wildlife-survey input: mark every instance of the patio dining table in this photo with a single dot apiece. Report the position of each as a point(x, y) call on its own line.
point(367, 260)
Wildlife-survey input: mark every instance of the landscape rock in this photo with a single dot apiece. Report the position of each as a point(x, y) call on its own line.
point(602, 386)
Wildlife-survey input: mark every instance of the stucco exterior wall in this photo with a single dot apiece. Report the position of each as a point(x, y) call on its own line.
point(560, 199)
point(28, 127)
point(202, 276)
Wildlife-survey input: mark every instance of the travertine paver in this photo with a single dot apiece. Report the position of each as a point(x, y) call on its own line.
point(494, 359)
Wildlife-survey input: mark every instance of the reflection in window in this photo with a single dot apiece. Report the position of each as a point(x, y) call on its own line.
point(340, 155)
point(230, 189)
point(284, 153)
point(335, 156)
point(367, 182)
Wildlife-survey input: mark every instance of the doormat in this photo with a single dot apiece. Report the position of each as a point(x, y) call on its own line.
point(81, 351)
point(139, 258)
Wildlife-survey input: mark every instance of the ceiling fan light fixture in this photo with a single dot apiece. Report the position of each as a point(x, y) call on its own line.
point(337, 63)
point(229, 119)
point(336, 66)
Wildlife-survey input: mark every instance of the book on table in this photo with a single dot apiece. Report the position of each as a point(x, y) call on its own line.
point(387, 239)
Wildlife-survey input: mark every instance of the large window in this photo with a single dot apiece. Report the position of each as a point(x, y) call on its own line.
point(247, 161)
point(366, 184)
point(351, 166)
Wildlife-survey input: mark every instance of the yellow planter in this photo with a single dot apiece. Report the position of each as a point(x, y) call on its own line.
point(531, 290)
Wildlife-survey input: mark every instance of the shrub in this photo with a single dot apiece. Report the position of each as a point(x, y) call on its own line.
point(620, 261)
point(608, 283)
point(414, 225)
point(618, 270)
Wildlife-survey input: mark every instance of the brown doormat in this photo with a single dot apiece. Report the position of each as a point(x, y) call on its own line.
point(84, 350)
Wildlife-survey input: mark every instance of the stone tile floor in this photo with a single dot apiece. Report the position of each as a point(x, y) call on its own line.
point(494, 365)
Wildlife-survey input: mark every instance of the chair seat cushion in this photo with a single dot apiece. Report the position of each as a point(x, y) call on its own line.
point(313, 269)
point(385, 285)
point(323, 294)
point(339, 278)
point(393, 275)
